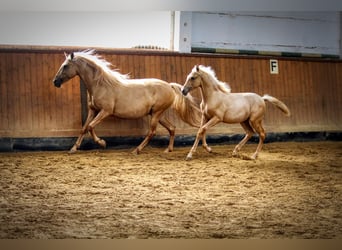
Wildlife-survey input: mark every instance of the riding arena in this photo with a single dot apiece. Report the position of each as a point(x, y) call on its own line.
point(103, 144)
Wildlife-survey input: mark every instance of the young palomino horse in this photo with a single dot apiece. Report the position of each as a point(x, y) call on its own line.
point(111, 93)
point(219, 105)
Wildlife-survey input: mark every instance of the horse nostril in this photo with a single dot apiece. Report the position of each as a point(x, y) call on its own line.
point(185, 91)
point(57, 82)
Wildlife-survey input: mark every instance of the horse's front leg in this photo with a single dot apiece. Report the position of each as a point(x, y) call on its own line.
point(90, 117)
point(100, 116)
point(204, 140)
point(212, 122)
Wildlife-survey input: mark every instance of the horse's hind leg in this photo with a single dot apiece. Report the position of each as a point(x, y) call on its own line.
point(171, 128)
point(249, 133)
point(257, 125)
point(153, 126)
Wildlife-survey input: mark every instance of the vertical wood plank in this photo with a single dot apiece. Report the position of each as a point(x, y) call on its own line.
point(4, 109)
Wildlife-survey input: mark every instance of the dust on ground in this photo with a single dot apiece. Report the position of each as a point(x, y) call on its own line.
point(293, 190)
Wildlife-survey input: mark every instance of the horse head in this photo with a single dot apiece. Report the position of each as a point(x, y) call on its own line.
point(66, 71)
point(193, 80)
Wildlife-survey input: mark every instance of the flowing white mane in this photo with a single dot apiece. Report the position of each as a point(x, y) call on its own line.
point(102, 63)
point(223, 86)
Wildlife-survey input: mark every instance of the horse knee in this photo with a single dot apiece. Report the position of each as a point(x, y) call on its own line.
point(201, 132)
point(152, 133)
point(262, 133)
point(172, 131)
point(89, 128)
point(262, 136)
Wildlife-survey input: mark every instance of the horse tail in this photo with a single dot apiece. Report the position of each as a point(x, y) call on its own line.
point(277, 103)
point(186, 107)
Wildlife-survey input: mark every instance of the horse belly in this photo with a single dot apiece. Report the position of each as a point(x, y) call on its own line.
point(237, 111)
point(236, 117)
point(129, 111)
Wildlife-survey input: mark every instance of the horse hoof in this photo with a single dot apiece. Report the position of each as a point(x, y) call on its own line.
point(167, 150)
point(188, 158)
point(102, 143)
point(135, 152)
point(235, 154)
point(72, 151)
point(253, 157)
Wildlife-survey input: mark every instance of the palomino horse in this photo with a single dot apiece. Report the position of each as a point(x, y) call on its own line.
point(219, 105)
point(112, 93)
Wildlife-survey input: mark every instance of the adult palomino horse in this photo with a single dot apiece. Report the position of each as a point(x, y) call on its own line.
point(112, 93)
point(219, 105)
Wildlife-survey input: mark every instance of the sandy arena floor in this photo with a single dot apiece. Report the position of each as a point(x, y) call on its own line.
point(294, 190)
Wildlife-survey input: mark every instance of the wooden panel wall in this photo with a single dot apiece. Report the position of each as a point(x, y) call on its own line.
point(30, 106)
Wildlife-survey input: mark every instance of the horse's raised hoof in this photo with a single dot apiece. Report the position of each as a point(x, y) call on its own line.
point(102, 143)
point(209, 150)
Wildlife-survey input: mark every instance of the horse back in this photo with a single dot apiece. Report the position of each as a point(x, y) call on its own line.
point(141, 97)
point(158, 89)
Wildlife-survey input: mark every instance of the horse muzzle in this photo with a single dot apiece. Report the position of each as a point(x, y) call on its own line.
point(185, 90)
point(58, 82)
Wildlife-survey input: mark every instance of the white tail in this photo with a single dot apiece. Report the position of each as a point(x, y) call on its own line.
point(277, 103)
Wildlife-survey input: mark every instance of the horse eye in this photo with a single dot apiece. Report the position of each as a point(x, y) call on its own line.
point(65, 66)
point(192, 78)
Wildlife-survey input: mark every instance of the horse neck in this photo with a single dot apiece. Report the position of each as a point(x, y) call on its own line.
point(207, 88)
point(90, 75)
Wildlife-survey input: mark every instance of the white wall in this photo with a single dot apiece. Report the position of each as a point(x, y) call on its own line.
point(304, 32)
point(92, 29)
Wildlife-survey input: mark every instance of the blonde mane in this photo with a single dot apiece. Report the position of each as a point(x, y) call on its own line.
point(104, 72)
point(222, 86)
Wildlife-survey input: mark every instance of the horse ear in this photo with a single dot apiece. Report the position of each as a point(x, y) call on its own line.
point(71, 55)
point(197, 68)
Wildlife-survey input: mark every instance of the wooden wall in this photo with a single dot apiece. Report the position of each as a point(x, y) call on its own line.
point(30, 105)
